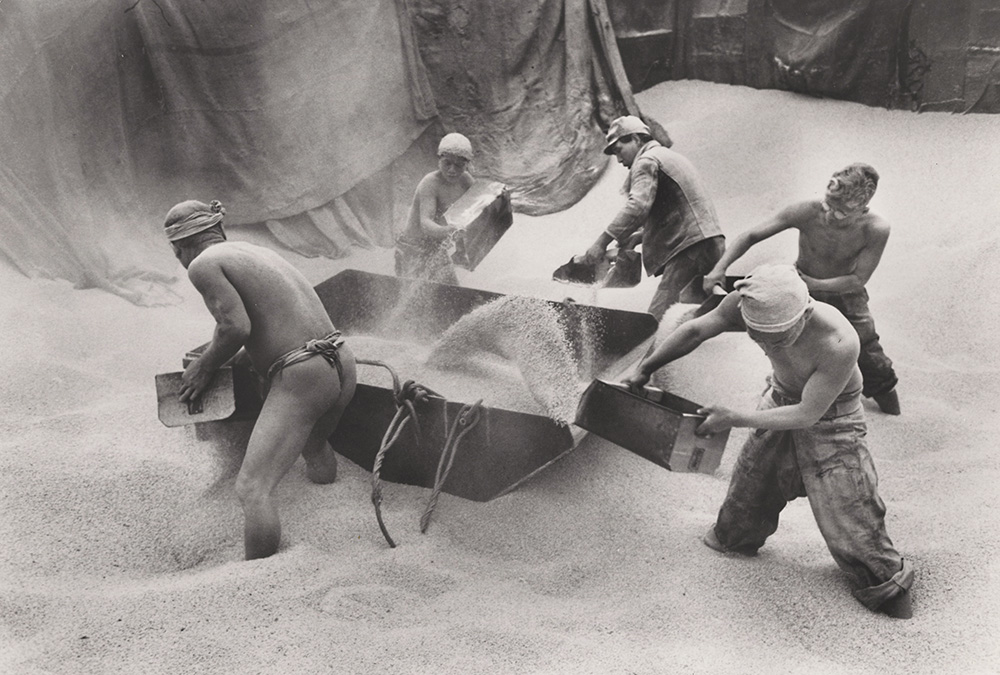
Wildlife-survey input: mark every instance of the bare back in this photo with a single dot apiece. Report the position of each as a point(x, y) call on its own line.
point(283, 308)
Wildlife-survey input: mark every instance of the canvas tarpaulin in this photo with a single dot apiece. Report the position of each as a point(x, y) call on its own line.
point(845, 49)
point(314, 118)
point(112, 112)
point(953, 56)
point(523, 79)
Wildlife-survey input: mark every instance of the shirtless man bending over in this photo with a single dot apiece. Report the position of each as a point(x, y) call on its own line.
point(263, 304)
point(808, 437)
point(840, 245)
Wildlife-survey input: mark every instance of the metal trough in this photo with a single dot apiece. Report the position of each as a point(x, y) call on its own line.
point(505, 447)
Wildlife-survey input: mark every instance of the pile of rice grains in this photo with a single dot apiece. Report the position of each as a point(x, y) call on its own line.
point(513, 353)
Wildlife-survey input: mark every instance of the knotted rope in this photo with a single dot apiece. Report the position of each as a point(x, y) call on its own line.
point(404, 396)
point(467, 419)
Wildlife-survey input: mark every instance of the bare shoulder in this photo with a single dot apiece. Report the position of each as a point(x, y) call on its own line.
point(230, 251)
point(429, 184)
point(838, 337)
point(876, 225)
point(234, 257)
point(209, 262)
point(803, 215)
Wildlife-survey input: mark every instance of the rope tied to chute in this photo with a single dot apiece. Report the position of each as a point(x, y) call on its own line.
point(467, 419)
point(404, 395)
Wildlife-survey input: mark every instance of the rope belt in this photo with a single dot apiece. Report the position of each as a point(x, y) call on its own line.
point(327, 347)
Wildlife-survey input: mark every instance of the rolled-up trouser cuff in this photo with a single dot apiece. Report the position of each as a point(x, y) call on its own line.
point(874, 597)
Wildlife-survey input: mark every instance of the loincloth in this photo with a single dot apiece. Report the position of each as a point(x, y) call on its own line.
point(327, 347)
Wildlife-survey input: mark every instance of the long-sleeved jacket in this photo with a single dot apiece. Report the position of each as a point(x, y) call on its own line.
point(667, 198)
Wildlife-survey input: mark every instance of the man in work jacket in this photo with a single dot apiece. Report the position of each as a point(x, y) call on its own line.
point(681, 238)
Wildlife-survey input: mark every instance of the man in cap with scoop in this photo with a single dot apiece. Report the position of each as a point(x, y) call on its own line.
point(422, 249)
point(808, 437)
point(262, 304)
point(668, 201)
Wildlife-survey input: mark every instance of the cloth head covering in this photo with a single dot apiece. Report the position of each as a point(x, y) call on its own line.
point(853, 186)
point(455, 144)
point(624, 126)
point(192, 217)
point(772, 298)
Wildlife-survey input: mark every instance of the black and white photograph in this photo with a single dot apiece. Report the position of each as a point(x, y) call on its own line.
point(548, 337)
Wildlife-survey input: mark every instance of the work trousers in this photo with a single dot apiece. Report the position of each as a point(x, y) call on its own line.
point(876, 367)
point(829, 464)
point(695, 260)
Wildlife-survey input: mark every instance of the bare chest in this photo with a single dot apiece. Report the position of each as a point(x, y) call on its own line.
point(792, 370)
point(828, 248)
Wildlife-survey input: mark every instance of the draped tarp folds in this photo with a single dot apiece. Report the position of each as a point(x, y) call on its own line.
point(310, 119)
point(114, 111)
point(516, 78)
point(68, 204)
point(283, 106)
point(845, 49)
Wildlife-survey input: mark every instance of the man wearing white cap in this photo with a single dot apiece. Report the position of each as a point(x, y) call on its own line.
point(422, 249)
point(265, 306)
point(667, 200)
point(808, 437)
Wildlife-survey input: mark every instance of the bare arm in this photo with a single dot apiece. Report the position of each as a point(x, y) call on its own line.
point(232, 325)
point(686, 338)
point(427, 209)
point(821, 389)
point(867, 260)
point(782, 220)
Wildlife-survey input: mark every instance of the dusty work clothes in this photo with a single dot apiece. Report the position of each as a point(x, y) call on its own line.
point(876, 367)
point(666, 197)
point(829, 464)
point(696, 260)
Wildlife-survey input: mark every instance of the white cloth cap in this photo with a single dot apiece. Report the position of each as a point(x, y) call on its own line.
point(455, 144)
point(772, 298)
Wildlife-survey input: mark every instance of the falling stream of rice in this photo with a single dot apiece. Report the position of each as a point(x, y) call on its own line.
point(512, 353)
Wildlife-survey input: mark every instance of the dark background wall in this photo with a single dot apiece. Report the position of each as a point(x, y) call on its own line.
point(939, 55)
